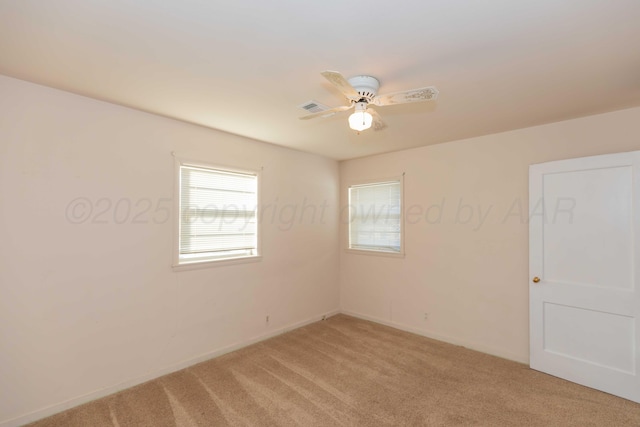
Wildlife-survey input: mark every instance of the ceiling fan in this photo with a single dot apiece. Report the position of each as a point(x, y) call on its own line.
point(362, 91)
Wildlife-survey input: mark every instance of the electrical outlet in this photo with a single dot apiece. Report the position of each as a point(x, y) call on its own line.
point(426, 316)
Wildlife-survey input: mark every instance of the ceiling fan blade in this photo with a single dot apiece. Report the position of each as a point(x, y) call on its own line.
point(327, 112)
point(378, 124)
point(338, 80)
point(414, 95)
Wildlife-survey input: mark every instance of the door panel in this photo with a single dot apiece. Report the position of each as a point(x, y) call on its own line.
point(583, 236)
point(588, 227)
point(597, 337)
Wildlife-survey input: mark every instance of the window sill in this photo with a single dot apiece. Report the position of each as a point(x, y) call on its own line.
point(375, 253)
point(196, 265)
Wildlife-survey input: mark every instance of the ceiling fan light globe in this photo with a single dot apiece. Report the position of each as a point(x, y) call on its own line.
point(360, 120)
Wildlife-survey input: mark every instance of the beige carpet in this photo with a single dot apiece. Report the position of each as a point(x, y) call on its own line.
point(346, 371)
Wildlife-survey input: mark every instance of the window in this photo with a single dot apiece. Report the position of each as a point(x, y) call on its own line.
point(375, 217)
point(217, 218)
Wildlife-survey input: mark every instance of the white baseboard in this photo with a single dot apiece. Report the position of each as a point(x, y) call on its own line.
point(62, 406)
point(449, 339)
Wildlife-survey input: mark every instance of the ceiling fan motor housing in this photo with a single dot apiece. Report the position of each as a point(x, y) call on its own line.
point(366, 86)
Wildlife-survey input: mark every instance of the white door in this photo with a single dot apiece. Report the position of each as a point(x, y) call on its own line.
point(584, 237)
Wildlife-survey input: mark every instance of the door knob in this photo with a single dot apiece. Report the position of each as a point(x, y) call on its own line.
point(536, 279)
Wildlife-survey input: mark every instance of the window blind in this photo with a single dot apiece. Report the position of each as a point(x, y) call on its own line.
point(218, 214)
point(375, 217)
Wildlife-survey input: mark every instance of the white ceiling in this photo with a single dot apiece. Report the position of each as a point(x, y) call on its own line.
point(244, 67)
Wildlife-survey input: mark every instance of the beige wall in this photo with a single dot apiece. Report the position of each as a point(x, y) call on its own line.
point(88, 308)
point(466, 261)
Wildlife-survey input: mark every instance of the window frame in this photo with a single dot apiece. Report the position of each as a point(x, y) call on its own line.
point(180, 265)
point(349, 249)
